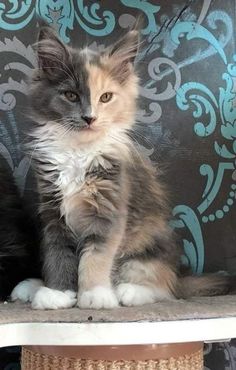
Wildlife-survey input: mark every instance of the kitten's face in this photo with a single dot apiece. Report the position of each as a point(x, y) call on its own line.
point(86, 93)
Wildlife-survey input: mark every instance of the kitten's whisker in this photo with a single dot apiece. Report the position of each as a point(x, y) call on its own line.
point(32, 152)
point(66, 132)
point(133, 147)
point(140, 135)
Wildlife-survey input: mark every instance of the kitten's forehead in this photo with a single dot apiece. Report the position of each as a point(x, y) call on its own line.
point(89, 72)
point(80, 61)
point(80, 75)
point(90, 56)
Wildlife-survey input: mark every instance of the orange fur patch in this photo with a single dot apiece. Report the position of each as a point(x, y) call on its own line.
point(120, 111)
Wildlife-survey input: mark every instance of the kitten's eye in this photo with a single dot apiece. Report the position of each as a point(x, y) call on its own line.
point(71, 96)
point(106, 97)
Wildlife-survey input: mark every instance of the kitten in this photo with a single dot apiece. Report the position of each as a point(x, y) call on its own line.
point(104, 212)
point(17, 235)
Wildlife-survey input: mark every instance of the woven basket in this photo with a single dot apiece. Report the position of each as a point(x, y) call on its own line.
point(37, 361)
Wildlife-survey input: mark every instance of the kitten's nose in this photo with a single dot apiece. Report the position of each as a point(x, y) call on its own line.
point(88, 119)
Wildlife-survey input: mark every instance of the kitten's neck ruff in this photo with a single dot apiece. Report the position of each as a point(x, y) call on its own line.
point(63, 161)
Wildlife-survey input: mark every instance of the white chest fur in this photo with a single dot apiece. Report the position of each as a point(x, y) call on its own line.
point(67, 162)
point(72, 167)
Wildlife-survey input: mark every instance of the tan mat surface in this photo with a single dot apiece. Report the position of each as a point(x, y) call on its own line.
point(195, 308)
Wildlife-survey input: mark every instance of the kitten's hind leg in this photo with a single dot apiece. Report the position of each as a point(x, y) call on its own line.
point(26, 290)
point(41, 297)
point(143, 282)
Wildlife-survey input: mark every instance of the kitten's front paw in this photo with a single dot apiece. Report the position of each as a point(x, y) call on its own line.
point(51, 299)
point(134, 295)
point(97, 298)
point(26, 290)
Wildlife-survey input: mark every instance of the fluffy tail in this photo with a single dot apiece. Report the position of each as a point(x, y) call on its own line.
point(206, 285)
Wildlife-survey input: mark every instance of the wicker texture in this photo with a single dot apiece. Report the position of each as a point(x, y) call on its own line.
point(35, 361)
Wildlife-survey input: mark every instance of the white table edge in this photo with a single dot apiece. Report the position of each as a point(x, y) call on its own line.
point(124, 333)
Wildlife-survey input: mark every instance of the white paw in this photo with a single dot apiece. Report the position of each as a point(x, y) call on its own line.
point(70, 293)
point(98, 297)
point(26, 290)
point(51, 299)
point(135, 295)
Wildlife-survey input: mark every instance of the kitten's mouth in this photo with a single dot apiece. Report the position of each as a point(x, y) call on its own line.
point(81, 126)
point(88, 127)
point(85, 128)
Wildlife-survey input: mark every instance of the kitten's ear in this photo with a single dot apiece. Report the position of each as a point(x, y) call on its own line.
point(52, 53)
point(126, 48)
point(122, 54)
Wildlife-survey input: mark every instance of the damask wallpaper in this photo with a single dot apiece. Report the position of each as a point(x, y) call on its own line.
point(187, 114)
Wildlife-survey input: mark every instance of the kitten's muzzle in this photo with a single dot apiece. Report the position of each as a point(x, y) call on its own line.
point(89, 119)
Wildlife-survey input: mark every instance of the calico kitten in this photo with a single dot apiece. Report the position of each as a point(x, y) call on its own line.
point(18, 237)
point(104, 212)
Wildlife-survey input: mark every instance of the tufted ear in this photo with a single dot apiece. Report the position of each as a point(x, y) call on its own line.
point(52, 53)
point(126, 48)
point(122, 54)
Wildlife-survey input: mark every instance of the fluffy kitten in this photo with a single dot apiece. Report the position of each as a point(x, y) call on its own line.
point(17, 235)
point(104, 213)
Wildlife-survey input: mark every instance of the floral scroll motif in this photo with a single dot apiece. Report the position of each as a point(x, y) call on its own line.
point(206, 102)
point(17, 14)
point(17, 49)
